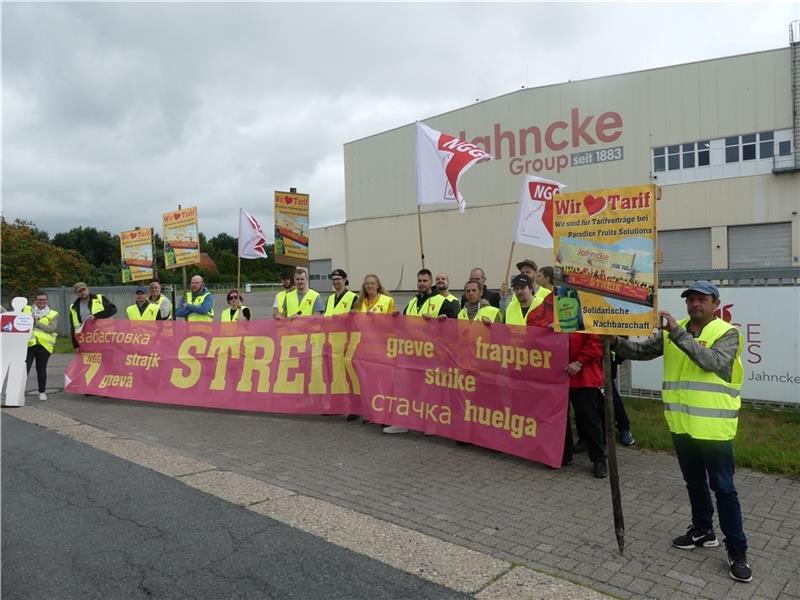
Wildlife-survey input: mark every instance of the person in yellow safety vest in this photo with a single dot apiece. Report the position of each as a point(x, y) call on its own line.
point(142, 309)
point(476, 307)
point(87, 307)
point(43, 339)
point(161, 301)
point(287, 281)
point(372, 298)
point(198, 303)
point(237, 310)
point(342, 300)
point(302, 301)
point(703, 376)
point(526, 267)
point(420, 304)
point(516, 313)
point(449, 305)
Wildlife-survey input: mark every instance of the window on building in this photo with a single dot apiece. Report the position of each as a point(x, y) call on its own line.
point(673, 157)
point(766, 144)
point(785, 148)
point(703, 153)
point(659, 160)
point(688, 155)
point(760, 246)
point(749, 146)
point(732, 149)
point(685, 250)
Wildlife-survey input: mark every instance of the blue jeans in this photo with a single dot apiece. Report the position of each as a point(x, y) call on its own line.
point(709, 463)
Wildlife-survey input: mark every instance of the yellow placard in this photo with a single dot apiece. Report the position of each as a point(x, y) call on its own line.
point(136, 254)
point(604, 246)
point(291, 228)
point(181, 238)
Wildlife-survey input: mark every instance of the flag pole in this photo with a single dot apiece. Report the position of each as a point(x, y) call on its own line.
point(613, 471)
point(239, 273)
point(419, 225)
point(510, 256)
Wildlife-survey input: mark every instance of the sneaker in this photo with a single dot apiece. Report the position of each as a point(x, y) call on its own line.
point(579, 446)
point(695, 538)
point(42, 396)
point(600, 469)
point(394, 429)
point(739, 569)
point(626, 438)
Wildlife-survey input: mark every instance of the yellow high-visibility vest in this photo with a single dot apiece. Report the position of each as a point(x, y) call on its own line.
point(382, 305)
point(198, 301)
point(95, 307)
point(490, 312)
point(697, 402)
point(44, 339)
point(225, 317)
point(150, 313)
point(343, 306)
point(301, 309)
point(514, 314)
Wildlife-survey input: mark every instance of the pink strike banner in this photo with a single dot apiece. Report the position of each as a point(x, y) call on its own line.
point(502, 387)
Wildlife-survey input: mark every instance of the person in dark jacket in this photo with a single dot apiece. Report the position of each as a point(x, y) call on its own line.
point(87, 306)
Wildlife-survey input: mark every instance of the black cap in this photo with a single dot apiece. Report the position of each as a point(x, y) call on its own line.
point(521, 280)
point(287, 275)
point(338, 273)
point(141, 290)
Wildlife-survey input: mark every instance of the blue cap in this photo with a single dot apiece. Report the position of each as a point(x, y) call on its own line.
point(702, 287)
point(141, 290)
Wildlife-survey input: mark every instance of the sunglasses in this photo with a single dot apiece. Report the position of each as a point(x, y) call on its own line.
point(232, 298)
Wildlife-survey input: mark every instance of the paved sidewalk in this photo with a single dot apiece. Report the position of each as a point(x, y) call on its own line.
point(558, 522)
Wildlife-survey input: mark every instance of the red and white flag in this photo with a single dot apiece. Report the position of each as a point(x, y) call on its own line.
point(252, 242)
point(441, 161)
point(535, 216)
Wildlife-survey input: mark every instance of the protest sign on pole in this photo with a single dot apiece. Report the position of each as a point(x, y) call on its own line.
point(291, 228)
point(181, 238)
point(136, 254)
point(605, 268)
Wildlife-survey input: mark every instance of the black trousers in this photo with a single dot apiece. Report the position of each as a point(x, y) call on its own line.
point(41, 356)
point(590, 420)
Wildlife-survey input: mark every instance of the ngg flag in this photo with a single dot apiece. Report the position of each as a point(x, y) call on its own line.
point(535, 216)
point(441, 161)
point(251, 236)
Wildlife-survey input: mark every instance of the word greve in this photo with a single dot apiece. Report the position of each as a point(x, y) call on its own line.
point(301, 367)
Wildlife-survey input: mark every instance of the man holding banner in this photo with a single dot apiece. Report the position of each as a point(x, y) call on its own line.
point(703, 375)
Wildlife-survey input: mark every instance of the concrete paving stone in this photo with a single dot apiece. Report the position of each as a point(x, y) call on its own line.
point(792, 587)
point(640, 587)
point(433, 559)
point(84, 433)
point(524, 584)
point(162, 460)
point(41, 417)
point(235, 488)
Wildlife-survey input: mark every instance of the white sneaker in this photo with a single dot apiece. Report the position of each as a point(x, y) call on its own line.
point(42, 396)
point(394, 429)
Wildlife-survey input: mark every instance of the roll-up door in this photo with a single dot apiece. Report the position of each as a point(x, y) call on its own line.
point(685, 250)
point(759, 246)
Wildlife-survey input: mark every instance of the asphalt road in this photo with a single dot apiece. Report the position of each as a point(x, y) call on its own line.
point(80, 523)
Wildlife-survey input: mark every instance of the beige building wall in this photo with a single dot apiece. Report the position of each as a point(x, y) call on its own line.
point(635, 112)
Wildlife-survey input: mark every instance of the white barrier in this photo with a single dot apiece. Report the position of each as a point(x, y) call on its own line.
point(15, 331)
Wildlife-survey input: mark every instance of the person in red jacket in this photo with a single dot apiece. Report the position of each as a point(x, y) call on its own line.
point(585, 370)
point(586, 378)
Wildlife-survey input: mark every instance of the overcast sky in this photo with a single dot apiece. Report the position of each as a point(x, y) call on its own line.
point(115, 113)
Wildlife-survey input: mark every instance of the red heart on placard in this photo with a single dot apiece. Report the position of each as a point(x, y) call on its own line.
point(289, 200)
point(176, 216)
point(594, 205)
point(133, 235)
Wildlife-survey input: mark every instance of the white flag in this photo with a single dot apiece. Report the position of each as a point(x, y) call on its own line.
point(535, 216)
point(252, 241)
point(441, 161)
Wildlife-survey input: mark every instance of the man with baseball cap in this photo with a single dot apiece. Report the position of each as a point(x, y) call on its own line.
point(342, 300)
point(86, 307)
point(528, 268)
point(142, 309)
point(517, 311)
point(287, 282)
point(703, 375)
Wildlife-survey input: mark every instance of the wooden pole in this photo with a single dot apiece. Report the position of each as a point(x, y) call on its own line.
point(419, 225)
point(510, 257)
point(613, 471)
point(239, 273)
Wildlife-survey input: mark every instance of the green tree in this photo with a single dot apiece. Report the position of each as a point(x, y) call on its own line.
point(29, 261)
point(96, 246)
